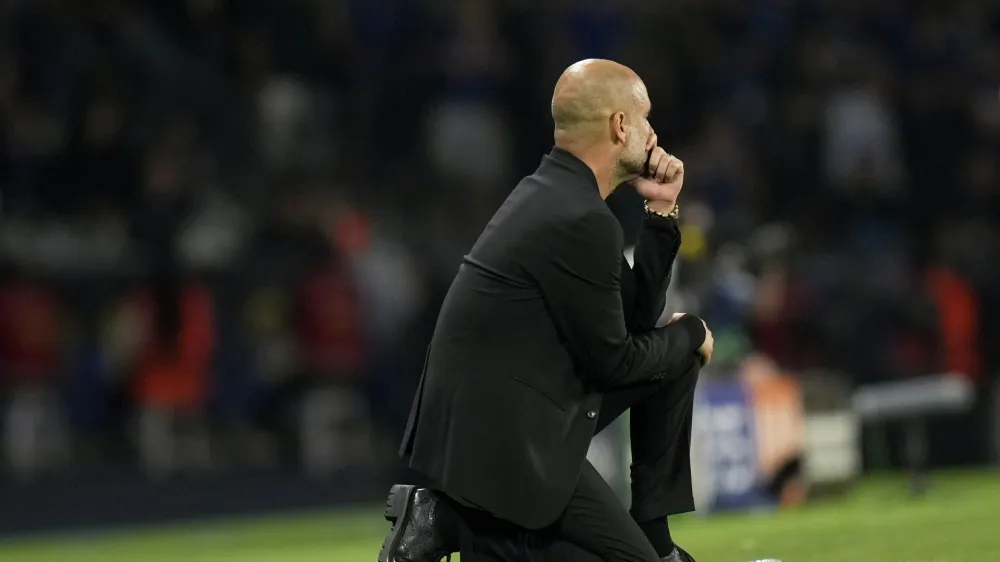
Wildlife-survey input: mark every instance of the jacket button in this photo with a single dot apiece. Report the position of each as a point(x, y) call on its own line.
point(591, 414)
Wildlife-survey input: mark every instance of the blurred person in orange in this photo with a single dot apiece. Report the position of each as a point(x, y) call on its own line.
point(174, 323)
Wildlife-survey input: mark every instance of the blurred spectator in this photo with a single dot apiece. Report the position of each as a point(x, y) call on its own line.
point(330, 328)
point(467, 119)
point(172, 369)
point(30, 354)
point(333, 417)
point(862, 146)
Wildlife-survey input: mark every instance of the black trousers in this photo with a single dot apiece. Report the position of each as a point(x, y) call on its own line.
point(595, 525)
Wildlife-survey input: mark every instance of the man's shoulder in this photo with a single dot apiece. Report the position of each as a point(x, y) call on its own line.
point(544, 219)
point(559, 201)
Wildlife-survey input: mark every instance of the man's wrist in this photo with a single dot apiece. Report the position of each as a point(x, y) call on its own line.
point(663, 208)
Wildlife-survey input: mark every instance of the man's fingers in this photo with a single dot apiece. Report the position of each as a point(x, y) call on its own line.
point(708, 347)
point(674, 168)
point(656, 156)
point(661, 169)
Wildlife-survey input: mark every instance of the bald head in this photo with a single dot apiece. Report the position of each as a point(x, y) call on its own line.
point(601, 114)
point(589, 93)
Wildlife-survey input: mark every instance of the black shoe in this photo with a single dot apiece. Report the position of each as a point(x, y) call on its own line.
point(415, 536)
point(678, 555)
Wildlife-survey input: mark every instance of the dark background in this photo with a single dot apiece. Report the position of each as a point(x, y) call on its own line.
point(226, 226)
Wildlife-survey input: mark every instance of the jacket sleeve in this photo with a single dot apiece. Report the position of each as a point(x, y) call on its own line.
point(580, 279)
point(644, 285)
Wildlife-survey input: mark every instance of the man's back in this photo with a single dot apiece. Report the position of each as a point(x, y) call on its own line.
point(496, 355)
point(496, 309)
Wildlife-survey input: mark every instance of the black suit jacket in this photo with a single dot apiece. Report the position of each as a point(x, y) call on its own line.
point(543, 317)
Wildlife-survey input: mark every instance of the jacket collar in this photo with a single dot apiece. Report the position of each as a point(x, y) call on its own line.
point(570, 162)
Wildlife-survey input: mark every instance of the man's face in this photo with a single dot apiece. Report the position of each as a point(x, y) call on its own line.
point(638, 136)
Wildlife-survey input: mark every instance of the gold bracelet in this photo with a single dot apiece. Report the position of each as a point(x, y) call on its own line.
point(673, 214)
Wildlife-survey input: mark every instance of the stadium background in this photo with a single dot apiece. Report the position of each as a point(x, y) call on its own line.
point(226, 227)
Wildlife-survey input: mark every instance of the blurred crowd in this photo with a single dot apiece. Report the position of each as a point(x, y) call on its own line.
point(233, 218)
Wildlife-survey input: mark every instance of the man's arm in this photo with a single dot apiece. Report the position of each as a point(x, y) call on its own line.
point(644, 285)
point(580, 277)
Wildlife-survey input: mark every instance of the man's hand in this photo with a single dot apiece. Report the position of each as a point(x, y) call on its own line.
point(664, 182)
point(707, 347)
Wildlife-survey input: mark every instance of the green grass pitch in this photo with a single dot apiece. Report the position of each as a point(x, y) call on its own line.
point(959, 521)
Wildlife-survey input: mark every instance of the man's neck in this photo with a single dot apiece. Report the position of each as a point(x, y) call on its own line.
point(600, 165)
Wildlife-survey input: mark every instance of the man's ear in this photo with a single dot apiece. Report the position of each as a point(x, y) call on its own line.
point(618, 125)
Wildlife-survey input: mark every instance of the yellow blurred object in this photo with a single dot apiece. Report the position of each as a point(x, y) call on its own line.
point(693, 243)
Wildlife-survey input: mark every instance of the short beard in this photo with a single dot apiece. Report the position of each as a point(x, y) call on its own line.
point(629, 167)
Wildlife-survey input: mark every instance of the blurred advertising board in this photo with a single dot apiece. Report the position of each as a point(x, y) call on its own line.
point(757, 443)
point(748, 439)
point(725, 466)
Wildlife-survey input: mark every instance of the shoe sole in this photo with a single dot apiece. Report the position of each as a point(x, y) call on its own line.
point(397, 505)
